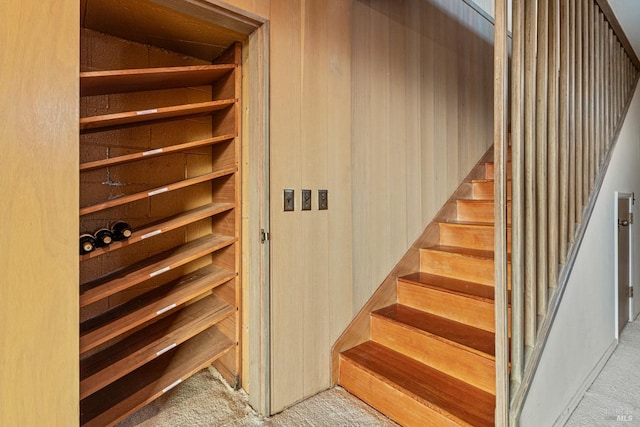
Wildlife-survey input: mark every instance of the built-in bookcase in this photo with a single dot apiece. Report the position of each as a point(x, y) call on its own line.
point(159, 149)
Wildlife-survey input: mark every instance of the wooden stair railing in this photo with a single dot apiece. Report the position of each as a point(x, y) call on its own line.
point(573, 74)
point(429, 354)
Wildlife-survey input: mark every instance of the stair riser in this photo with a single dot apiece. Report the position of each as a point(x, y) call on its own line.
point(469, 236)
point(470, 311)
point(392, 401)
point(490, 170)
point(485, 190)
point(454, 360)
point(478, 212)
point(458, 266)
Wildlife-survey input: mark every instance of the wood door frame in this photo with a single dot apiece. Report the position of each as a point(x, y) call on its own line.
point(255, 199)
point(621, 195)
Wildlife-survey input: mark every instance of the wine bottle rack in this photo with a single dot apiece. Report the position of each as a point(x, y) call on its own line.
point(164, 303)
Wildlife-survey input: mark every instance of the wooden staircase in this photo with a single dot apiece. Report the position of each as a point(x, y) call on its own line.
point(430, 357)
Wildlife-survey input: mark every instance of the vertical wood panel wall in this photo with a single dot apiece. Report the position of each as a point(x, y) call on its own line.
point(38, 213)
point(422, 117)
point(310, 125)
point(417, 126)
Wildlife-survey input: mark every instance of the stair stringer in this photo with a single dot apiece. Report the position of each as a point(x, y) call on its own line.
point(359, 329)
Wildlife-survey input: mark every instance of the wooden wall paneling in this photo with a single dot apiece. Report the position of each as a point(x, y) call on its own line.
point(413, 103)
point(586, 103)
point(287, 289)
point(39, 301)
point(397, 141)
point(442, 103)
point(377, 170)
point(314, 245)
point(540, 154)
point(338, 179)
point(454, 42)
point(361, 98)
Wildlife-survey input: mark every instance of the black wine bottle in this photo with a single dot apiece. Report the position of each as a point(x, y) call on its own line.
point(103, 237)
point(121, 230)
point(87, 243)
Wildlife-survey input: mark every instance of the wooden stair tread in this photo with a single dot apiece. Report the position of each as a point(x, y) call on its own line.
point(478, 224)
point(448, 284)
point(430, 387)
point(452, 331)
point(474, 253)
point(482, 180)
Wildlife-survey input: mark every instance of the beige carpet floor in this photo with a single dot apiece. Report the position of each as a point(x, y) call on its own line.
point(206, 400)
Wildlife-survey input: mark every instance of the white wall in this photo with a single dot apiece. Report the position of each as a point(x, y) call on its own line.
point(584, 331)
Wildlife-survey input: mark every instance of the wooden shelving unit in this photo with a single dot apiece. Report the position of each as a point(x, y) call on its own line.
point(164, 303)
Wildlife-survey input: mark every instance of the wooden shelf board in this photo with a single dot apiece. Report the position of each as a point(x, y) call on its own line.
point(143, 79)
point(143, 195)
point(98, 289)
point(152, 115)
point(123, 397)
point(113, 363)
point(84, 167)
point(158, 228)
point(148, 306)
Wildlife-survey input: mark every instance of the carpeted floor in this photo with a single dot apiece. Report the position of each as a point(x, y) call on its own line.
point(614, 397)
point(206, 400)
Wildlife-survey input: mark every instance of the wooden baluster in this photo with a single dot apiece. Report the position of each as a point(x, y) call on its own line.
point(517, 191)
point(573, 118)
point(540, 153)
point(593, 100)
point(531, 24)
point(563, 137)
point(601, 97)
point(611, 93)
point(584, 147)
point(553, 158)
point(500, 136)
point(579, 109)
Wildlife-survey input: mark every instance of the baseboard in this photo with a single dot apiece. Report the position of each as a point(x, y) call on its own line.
point(577, 397)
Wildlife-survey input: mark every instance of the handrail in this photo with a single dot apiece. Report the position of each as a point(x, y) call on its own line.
point(572, 76)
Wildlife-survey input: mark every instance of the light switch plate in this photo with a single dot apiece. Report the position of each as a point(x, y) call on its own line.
point(289, 200)
point(323, 200)
point(306, 200)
